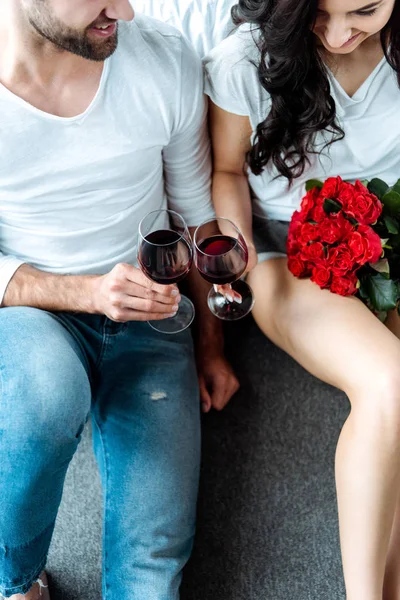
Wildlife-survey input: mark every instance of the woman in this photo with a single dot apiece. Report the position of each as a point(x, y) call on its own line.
point(306, 89)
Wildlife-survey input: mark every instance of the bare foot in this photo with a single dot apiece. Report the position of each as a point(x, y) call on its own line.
point(38, 592)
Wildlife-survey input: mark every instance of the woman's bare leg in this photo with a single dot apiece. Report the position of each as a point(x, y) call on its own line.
point(340, 341)
point(391, 588)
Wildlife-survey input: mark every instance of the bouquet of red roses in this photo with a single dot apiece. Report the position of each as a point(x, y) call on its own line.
point(346, 239)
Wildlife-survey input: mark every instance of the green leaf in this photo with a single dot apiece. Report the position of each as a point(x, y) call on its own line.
point(392, 224)
point(391, 203)
point(382, 315)
point(378, 187)
point(396, 187)
point(364, 182)
point(382, 266)
point(382, 292)
point(331, 206)
point(312, 183)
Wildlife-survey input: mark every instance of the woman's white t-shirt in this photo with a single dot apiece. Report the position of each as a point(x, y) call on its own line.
point(370, 120)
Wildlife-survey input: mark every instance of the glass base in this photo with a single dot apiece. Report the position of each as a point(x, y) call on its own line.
point(231, 311)
point(181, 321)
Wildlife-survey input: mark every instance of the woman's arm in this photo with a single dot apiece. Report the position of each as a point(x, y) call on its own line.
point(231, 140)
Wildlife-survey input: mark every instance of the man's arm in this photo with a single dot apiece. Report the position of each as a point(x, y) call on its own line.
point(124, 294)
point(217, 380)
point(31, 287)
point(187, 168)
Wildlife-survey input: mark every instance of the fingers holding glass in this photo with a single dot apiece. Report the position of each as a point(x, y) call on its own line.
point(221, 257)
point(165, 255)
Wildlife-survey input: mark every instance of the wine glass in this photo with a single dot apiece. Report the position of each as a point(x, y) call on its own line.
point(221, 255)
point(165, 255)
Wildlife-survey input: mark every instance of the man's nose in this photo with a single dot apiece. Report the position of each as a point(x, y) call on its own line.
point(119, 10)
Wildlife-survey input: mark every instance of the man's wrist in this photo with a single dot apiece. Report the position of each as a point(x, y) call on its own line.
point(90, 300)
point(209, 335)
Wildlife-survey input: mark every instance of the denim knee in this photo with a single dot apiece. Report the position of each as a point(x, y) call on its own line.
point(44, 387)
point(45, 397)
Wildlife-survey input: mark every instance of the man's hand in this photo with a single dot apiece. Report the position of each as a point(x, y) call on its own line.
point(123, 294)
point(126, 294)
point(217, 380)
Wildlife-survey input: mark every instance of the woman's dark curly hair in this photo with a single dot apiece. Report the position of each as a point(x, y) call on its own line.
point(294, 75)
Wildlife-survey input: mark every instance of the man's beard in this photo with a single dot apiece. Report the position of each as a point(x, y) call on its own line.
point(68, 38)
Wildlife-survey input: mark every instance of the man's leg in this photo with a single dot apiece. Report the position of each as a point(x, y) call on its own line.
point(44, 401)
point(147, 440)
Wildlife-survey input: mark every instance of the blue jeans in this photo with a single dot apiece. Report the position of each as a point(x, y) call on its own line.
point(141, 388)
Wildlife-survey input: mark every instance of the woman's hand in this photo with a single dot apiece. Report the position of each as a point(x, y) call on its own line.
point(226, 290)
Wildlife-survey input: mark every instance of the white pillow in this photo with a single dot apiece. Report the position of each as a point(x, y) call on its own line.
point(204, 22)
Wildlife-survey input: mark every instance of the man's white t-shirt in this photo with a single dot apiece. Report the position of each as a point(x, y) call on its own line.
point(204, 22)
point(73, 190)
point(370, 120)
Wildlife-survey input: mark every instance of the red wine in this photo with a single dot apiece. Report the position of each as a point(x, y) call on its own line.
point(222, 259)
point(165, 256)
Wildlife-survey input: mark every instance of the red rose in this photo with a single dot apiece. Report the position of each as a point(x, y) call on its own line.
point(346, 194)
point(298, 218)
point(344, 286)
point(318, 214)
point(321, 275)
point(295, 225)
point(335, 228)
point(373, 244)
point(357, 246)
point(340, 260)
point(293, 247)
point(331, 187)
point(309, 201)
point(309, 233)
point(313, 252)
point(297, 266)
point(360, 187)
point(294, 242)
point(364, 207)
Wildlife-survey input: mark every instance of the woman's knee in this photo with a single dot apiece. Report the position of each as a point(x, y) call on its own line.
point(375, 398)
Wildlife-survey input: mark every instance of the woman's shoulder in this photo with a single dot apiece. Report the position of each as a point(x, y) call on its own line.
point(239, 50)
point(231, 74)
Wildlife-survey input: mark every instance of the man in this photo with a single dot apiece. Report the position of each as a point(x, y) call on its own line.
point(102, 120)
point(204, 22)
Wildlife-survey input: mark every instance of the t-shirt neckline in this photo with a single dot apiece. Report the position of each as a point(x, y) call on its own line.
point(358, 95)
point(45, 115)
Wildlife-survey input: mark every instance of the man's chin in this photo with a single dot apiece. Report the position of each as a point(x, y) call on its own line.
point(104, 49)
point(96, 50)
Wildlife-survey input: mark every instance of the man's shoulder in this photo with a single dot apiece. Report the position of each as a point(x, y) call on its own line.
point(156, 49)
point(150, 32)
point(156, 57)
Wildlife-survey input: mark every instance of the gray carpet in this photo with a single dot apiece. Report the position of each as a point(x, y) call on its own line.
point(267, 526)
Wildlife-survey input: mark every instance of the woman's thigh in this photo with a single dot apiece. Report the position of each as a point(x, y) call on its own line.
point(335, 338)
